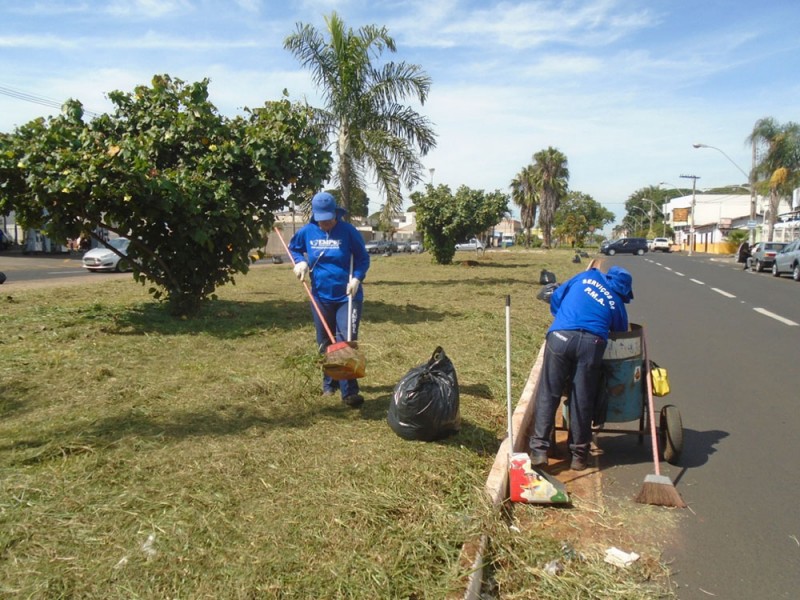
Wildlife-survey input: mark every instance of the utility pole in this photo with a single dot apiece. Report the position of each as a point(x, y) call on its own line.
point(694, 179)
point(752, 182)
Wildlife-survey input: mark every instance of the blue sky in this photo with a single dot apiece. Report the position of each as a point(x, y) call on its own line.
point(622, 87)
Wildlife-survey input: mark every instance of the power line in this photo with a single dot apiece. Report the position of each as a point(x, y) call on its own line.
point(41, 100)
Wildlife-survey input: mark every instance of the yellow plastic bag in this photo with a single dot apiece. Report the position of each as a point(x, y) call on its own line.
point(660, 379)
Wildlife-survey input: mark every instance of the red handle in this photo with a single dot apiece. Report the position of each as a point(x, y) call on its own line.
point(308, 290)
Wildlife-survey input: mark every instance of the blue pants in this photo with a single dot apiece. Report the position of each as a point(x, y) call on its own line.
point(335, 314)
point(576, 358)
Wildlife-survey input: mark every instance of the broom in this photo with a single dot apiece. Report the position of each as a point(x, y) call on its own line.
point(657, 489)
point(342, 360)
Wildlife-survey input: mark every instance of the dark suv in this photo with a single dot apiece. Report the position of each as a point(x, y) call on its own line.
point(636, 246)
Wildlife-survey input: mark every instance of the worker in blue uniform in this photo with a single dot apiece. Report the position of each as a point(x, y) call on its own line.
point(324, 251)
point(586, 308)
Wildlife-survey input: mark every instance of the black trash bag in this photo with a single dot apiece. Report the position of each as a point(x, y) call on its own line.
point(424, 406)
point(2, 278)
point(546, 292)
point(546, 277)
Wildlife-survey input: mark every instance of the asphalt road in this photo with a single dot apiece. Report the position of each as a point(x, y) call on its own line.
point(44, 269)
point(730, 340)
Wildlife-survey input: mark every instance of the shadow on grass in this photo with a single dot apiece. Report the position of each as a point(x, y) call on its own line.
point(221, 420)
point(11, 403)
point(230, 320)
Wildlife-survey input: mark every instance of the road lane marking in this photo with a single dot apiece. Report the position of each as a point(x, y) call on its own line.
point(668, 269)
point(697, 281)
point(723, 292)
point(679, 274)
point(772, 315)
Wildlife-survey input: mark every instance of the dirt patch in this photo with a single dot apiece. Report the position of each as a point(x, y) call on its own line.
point(595, 522)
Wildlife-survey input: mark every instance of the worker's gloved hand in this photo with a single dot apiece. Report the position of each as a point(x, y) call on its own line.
point(352, 287)
point(301, 270)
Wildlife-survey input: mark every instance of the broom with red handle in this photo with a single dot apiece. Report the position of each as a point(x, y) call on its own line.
point(353, 367)
point(657, 489)
point(308, 291)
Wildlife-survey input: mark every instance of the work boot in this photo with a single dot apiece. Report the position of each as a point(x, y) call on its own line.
point(353, 400)
point(538, 459)
point(578, 463)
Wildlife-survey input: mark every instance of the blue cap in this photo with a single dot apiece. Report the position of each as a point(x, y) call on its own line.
point(323, 207)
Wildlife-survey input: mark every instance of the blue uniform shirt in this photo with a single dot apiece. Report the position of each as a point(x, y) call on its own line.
point(589, 302)
point(328, 258)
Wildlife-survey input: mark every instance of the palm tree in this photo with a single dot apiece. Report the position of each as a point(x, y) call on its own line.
point(779, 168)
point(551, 177)
point(374, 134)
point(524, 194)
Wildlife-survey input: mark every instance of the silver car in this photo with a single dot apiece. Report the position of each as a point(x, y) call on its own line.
point(788, 261)
point(763, 255)
point(103, 259)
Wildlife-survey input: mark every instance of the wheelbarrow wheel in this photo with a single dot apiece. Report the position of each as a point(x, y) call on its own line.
point(671, 433)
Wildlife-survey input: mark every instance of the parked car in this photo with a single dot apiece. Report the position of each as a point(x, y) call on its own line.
point(661, 244)
point(416, 246)
point(403, 246)
point(473, 244)
point(763, 255)
point(636, 246)
point(103, 259)
point(788, 261)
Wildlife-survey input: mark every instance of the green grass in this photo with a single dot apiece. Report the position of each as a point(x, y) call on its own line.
point(143, 456)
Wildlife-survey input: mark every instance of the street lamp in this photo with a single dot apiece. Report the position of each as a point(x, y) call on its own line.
point(653, 204)
point(641, 221)
point(750, 180)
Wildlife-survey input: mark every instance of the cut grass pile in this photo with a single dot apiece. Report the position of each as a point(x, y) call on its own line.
point(143, 456)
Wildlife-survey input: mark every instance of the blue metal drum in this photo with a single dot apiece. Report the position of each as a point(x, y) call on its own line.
point(623, 393)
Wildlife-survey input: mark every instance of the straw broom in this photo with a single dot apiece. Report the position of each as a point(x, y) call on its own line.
point(657, 489)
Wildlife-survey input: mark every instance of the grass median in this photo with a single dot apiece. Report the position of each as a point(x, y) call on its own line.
point(143, 456)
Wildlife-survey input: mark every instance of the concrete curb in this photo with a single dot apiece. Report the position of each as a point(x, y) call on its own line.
point(496, 487)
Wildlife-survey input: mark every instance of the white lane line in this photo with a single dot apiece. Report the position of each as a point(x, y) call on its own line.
point(668, 269)
point(697, 282)
point(679, 274)
point(723, 293)
point(771, 315)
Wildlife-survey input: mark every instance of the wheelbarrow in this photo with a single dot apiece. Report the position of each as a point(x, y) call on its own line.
point(623, 396)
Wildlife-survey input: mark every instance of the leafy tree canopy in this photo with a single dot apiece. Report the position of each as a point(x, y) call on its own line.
point(190, 188)
point(578, 215)
point(446, 219)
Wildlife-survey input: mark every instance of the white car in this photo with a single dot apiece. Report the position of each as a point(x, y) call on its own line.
point(473, 244)
point(662, 244)
point(103, 259)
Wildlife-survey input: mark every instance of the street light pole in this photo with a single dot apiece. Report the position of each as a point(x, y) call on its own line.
point(694, 179)
point(641, 221)
point(653, 204)
point(750, 180)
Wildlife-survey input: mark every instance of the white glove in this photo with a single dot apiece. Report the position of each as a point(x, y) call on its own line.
point(301, 270)
point(352, 287)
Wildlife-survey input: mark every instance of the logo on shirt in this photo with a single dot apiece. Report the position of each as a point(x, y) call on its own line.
point(598, 292)
point(325, 244)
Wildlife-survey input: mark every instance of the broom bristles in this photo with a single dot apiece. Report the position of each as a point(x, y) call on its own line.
point(659, 490)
